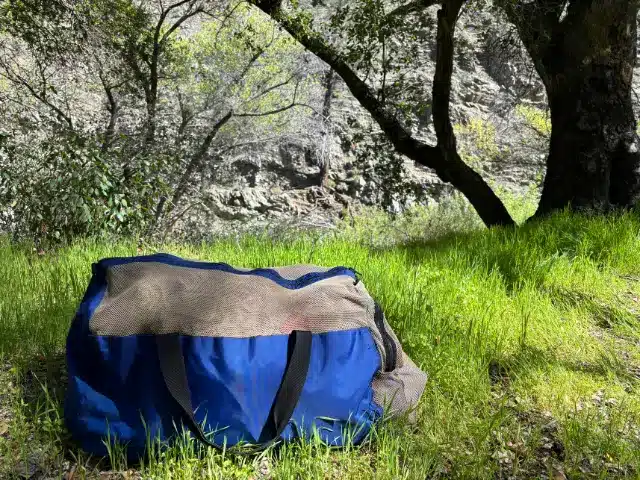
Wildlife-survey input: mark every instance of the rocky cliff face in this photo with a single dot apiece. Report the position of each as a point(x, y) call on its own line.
point(492, 76)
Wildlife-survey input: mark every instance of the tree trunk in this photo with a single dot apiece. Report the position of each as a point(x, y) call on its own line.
point(196, 161)
point(114, 110)
point(150, 133)
point(585, 55)
point(447, 165)
point(325, 165)
point(593, 160)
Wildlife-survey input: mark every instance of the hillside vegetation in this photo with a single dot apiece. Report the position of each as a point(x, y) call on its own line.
point(530, 337)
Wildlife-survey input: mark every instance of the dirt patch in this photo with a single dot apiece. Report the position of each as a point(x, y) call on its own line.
point(43, 376)
point(530, 447)
point(6, 412)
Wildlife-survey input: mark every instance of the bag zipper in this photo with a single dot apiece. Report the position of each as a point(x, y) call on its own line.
point(270, 273)
point(356, 275)
point(390, 350)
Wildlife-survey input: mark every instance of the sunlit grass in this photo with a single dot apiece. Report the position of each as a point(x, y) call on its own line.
point(530, 338)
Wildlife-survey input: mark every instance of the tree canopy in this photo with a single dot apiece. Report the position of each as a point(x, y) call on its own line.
point(121, 111)
point(148, 96)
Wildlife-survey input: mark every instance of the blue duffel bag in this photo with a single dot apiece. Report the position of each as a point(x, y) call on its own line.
point(237, 356)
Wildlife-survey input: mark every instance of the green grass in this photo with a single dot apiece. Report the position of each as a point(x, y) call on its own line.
point(530, 337)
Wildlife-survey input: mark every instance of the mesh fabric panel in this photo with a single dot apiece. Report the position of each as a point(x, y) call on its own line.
point(399, 390)
point(156, 298)
point(291, 272)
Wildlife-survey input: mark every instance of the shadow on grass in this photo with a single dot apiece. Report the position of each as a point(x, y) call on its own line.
point(529, 358)
point(50, 450)
point(528, 252)
point(42, 376)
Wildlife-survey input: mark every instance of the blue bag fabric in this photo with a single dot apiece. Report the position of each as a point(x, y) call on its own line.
point(145, 354)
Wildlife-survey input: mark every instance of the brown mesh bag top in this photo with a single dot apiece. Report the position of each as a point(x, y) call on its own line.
point(156, 298)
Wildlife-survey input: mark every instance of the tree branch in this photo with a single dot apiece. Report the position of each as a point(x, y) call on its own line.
point(196, 160)
point(384, 71)
point(225, 17)
point(186, 115)
point(180, 21)
point(15, 78)
point(260, 141)
point(176, 218)
point(151, 89)
point(272, 112)
point(207, 103)
point(401, 139)
point(449, 168)
point(271, 89)
point(163, 17)
point(113, 110)
point(412, 7)
point(277, 110)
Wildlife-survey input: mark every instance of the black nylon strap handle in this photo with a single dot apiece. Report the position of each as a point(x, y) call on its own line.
point(298, 357)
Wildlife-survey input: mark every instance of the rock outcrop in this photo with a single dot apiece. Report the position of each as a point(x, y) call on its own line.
point(492, 75)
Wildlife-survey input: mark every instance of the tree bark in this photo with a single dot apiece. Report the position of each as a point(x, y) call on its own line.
point(113, 107)
point(325, 165)
point(450, 168)
point(195, 164)
point(152, 101)
point(585, 60)
point(593, 160)
point(196, 161)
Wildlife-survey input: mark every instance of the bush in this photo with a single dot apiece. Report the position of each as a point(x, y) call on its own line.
point(63, 188)
point(419, 223)
point(536, 119)
point(478, 142)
